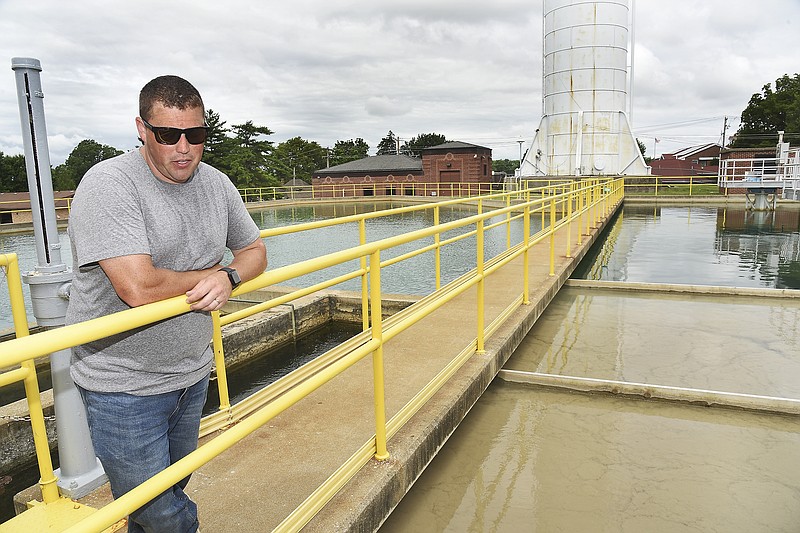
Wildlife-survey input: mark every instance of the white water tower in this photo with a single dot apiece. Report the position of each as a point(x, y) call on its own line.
point(585, 129)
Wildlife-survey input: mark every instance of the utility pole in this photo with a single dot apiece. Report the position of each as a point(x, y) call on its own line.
point(724, 131)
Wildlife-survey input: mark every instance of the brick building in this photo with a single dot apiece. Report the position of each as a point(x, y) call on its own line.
point(462, 166)
point(452, 168)
point(701, 160)
point(15, 207)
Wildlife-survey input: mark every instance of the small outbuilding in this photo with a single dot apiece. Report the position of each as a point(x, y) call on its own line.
point(15, 207)
point(449, 169)
point(372, 176)
point(701, 160)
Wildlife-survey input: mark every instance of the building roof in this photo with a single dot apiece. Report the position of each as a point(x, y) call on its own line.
point(685, 153)
point(14, 201)
point(377, 163)
point(296, 182)
point(455, 145)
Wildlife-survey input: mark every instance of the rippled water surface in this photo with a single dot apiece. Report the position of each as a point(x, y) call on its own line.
point(413, 276)
point(726, 246)
point(539, 461)
point(532, 459)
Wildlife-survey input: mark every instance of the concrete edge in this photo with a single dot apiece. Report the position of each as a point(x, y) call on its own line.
point(653, 392)
point(710, 290)
point(719, 200)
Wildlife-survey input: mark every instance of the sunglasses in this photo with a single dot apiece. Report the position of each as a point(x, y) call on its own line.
point(166, 135)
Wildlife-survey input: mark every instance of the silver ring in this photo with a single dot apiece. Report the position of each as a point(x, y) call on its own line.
point(216, 300)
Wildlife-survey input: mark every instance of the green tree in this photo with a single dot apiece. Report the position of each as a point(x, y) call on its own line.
point(643, 149)
point(216, 146)
point(297, 158)
point(245, 156)
point(350, 150)
point(769, 112)
point(415, 146)
point(13, 175)
point(83, 157)
point(388, 144)
point(509, 166)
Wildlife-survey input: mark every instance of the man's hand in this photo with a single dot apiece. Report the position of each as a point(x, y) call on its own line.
point(210, 293)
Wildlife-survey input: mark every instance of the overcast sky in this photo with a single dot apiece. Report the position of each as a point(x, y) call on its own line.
point(336, 70)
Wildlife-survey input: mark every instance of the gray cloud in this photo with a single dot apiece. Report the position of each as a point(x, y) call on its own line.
point(337, 70)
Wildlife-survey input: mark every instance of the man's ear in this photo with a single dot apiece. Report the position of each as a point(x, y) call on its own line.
point(141, 129)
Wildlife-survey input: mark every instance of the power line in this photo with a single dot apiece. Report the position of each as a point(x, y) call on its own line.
point(684, 123)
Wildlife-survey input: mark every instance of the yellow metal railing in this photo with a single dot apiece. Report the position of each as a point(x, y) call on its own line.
point(359, 190)
point(672, 186)
point(635, 185)
point(27, 374)
point(11, 211)
point(560, 205)
point(645, 185)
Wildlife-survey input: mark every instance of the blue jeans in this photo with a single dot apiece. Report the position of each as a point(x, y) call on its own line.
point(136, 437)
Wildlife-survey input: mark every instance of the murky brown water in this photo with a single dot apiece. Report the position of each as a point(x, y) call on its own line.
point(733, 344)
point(534, 460)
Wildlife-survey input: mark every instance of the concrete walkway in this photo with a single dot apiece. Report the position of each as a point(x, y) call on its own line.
point(257, 483)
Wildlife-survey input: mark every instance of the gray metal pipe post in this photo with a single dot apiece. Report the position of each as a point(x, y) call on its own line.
point(80, 470)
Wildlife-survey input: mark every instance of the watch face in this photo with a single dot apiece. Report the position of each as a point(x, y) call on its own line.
point(233, 276)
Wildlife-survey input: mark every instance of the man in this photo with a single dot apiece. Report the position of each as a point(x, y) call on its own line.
point(148, 225)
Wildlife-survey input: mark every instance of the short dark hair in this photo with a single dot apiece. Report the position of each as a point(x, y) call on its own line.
point(171, 91)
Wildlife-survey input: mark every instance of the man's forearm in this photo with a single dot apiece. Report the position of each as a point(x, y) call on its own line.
point(137, 282)
point(167, 283)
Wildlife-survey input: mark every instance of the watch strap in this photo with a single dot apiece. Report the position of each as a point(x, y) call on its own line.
point(233, 276)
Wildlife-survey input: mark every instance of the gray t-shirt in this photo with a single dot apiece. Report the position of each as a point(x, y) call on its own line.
point(121, 208)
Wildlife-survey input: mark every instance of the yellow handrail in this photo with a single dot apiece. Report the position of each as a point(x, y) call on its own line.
point(47, 480)
point(594, 198)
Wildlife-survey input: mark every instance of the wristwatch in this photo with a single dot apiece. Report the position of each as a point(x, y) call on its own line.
point(233, 276)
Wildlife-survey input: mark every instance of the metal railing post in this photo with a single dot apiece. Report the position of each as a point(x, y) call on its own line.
point(508, 223)
point(552, 236)
point(219, 361)
point(569, 220)
point(80, 471)
point(541, 206)
point(526, 231)
point(481, 286)
point(587, 206)
point(437, 239)
point(362, 239)
point(579, 207)
point(381, 452)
